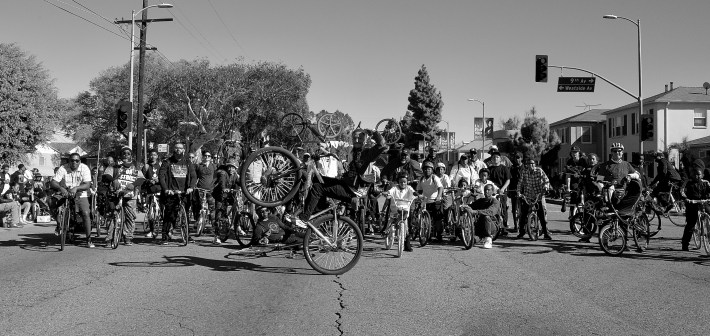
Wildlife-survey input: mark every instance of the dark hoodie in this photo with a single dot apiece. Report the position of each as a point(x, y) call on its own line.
point(177, 174)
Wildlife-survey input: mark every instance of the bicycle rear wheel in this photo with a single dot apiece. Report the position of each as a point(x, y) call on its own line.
point(533, 226)
point(466, 223)
point(293, 124)
point(390, 130)
point(182, 223)
point(401, 233)
point(246, 223)
point(337, 259)
point(612, 239)
point(272, 177)
point(424, 228)
point(697, 232)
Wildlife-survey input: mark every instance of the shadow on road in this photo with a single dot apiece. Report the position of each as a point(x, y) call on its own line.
point(221, 265)
point(38, 242)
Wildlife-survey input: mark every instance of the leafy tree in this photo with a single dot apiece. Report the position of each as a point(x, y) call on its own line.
point(511, 124)
point(425, 104)
point(536, 140)
point(28, 103)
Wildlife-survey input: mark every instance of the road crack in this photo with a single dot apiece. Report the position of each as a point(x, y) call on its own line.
point(339, 313)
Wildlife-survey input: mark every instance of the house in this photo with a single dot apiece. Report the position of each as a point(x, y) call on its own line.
point(52, 153)
point(700, 148)
point(584, 130)
point(679, 114)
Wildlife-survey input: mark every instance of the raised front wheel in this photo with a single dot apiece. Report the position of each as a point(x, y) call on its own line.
point(271, 177)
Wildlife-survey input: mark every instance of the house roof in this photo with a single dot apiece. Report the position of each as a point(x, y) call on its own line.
point(63, 147)
point(700, 141)
point(679, 94)
point(594, 116)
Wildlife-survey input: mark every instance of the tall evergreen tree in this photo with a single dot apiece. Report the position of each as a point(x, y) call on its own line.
point(425, 104)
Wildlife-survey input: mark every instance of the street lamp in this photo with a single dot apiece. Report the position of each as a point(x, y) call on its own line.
point(448, 141)
point(640, 96)
point(483, 126)
point(133, 37)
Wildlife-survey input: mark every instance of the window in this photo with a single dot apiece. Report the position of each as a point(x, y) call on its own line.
point(41, 160)
point(633, 123)
point(617, 126)
point(700, 119)
point(586, 134)
point(623, 128)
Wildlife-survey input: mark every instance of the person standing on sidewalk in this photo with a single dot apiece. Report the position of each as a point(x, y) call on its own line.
point(533, 183)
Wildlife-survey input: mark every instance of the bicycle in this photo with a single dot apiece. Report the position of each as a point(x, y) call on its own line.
point(678, 206)
point(458, 220)
point(181, 221)
point(420, 223)
point(240, 219)
point(701, 232)
point(66, 218)
point(154, 214)
point(615, 230)
point(204, 212)
point(398, 230)
point(116, 222)
point(332, 244)
point(533, 224)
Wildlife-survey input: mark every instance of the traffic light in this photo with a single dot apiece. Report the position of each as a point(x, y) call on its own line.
point(541, 68)
point(124, 115)
point(647, 127)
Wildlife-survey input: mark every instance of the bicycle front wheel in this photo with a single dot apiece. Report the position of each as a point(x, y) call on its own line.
point(64, 226)
point(705, 232)
point(424, 228)
point(182, 224)
point(697, 232)
point(389, 237)
point(466, 230)
point(346, 250)
point(243, 229)
point(200, 225)
point(583, 225)
point(401, 233)
point(612, 239)
point(272, 177)
point(641, 232)
point(533, 226)
point(293, 124)
point(117, 225)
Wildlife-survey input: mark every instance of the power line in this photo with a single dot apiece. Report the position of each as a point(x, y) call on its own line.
point(219, 55)
point(104, 18)
point(225, 26)
point(87, 20)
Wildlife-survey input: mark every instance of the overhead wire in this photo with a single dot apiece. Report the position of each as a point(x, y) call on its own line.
point(186, 17)
point(102, 17)
point(225, 26)
point(87, 20)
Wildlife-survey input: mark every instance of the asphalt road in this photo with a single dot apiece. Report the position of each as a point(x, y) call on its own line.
point(558, 287)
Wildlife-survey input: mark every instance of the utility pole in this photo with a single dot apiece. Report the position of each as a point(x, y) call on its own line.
point(139, 153)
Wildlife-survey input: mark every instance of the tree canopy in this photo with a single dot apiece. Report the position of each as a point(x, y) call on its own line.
point(425, 105)
point(28, 103)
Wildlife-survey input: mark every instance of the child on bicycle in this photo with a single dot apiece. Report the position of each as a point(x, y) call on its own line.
point(695, 189)
point(480, 183)
point(403, 196)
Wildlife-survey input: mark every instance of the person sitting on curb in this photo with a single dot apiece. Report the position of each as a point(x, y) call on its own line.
point(486, 208)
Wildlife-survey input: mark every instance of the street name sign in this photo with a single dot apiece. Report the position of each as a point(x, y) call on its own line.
point(162, 148)
point(576, 84)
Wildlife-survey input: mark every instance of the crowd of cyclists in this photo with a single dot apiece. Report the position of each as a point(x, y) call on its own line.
point(490, 189)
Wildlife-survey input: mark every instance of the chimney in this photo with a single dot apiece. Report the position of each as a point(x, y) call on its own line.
point(671, 86)
point(666, 88)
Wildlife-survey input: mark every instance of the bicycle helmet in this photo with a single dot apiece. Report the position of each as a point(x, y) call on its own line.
point(616, 145)
point(574, 149)
point(441, 165)
point(427, 164)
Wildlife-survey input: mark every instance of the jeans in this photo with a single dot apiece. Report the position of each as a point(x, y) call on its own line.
point(172, 208)
point(331, 187)
point(197, 204)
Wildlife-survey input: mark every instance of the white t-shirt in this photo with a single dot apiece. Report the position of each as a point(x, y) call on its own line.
point(430, 188)
point(478, 186)
point(328, 166)
point(468, 173)
point(73, 178)
point(402, 198)
point(445, 181)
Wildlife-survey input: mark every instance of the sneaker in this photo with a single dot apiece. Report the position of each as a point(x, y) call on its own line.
point(150, 235)
point(300, 223)
point(503, 232)
point(240, 231)
point(520, 235)
point(584, 240)
point(408, 249)
point(164, 240)
point(90, 244)
point(684, 248)
point(128, 242)
point(546, 237)
point(217, 241)
point(56, 231)
point(488, 243)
